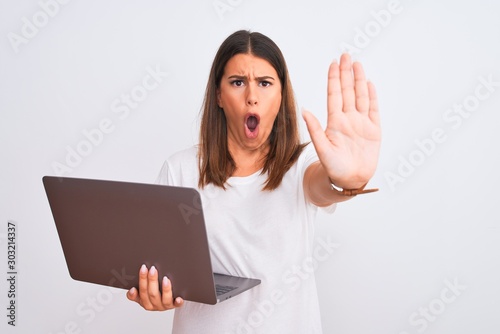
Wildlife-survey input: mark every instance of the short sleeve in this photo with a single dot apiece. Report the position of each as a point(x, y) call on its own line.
point(180, 169)
point(164, 177)
point(310, 156)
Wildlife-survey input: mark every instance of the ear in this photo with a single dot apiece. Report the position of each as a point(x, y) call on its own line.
point(219, 103)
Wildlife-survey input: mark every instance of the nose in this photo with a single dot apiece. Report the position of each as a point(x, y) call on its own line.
point(251, 96)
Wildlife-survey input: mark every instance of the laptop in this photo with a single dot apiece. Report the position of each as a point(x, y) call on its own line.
point(108, 229)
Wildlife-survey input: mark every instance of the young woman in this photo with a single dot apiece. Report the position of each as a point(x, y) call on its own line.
point(261, 187)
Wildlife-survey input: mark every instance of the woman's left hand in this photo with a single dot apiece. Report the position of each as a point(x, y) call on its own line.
point(348, 148)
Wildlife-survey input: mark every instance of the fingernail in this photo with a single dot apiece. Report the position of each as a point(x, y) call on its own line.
point(143, 269)
point(165, 281)
point(152, 271)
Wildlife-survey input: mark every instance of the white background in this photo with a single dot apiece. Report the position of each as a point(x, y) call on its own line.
point(436, 222)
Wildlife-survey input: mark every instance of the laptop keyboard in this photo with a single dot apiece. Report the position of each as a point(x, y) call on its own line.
point(221, 289)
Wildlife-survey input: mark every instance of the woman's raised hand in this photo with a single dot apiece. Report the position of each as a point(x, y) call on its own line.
point(349, 146)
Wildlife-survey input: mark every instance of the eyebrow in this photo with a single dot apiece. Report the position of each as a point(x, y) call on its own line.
point(244, 77)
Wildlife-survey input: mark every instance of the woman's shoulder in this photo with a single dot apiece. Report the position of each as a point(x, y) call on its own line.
point(185, 156)
point(307, 156)
point(181, 168)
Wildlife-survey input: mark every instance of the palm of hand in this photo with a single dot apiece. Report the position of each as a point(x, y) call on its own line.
point(349, 146)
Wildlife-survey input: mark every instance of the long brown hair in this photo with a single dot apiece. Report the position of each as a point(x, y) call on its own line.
point(214, 159)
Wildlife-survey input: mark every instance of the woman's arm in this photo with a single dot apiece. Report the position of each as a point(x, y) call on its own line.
point(348, 148)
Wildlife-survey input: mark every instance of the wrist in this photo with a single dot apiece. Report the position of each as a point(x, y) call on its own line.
point(350, 191)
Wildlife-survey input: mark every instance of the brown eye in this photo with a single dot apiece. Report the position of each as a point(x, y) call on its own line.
point(237, 83)
point(265, 83)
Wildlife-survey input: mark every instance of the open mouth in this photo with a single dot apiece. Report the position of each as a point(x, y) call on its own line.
point(252, 125)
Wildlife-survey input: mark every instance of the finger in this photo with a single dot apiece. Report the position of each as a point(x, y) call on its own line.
point(167, 295)
point(154, 289)
point(317, 134)
point(361, 88)
point(143, 288)
point(347, 83)
point(334, 92)
point(133, 295)
point(373, 110)
point(178, 302)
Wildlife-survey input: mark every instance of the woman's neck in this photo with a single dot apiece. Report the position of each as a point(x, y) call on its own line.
point(248, 161)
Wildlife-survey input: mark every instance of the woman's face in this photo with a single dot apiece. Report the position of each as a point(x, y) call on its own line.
point(250, 95)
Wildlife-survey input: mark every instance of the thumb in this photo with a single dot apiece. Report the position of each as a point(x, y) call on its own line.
point(316, 132)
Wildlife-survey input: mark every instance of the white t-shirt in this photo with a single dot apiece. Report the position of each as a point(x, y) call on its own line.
point(260, 234)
